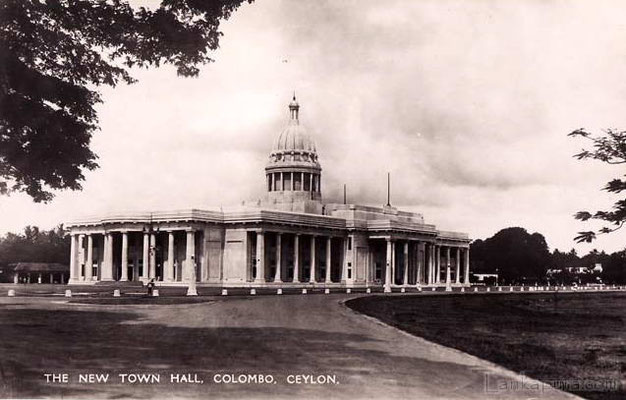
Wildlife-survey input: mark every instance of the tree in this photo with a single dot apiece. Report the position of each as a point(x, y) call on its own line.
point(34, 245)
point(514, 253)
point(611, 149)
point(54, 54)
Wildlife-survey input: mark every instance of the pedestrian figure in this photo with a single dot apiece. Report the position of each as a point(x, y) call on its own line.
point(150, 286)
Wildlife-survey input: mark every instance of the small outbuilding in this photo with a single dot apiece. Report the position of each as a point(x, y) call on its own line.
point(36, 272)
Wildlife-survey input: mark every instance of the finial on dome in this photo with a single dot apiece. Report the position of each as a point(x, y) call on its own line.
point(294, 107)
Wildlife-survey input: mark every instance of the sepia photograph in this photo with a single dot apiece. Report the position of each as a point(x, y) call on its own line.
point(312, 199)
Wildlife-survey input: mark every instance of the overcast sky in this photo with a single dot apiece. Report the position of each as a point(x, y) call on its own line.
point(466, 103)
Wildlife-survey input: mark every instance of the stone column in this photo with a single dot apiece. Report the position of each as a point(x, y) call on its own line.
point(152, 269)
point(293, 184)
point(73, 267)
point(405, 278)
point(313, 259)
point(328, 258)
point(279, 253)
point(437, 264)
point(260, 258)
point(448, 267)
point(296, 258)
point(467, 266)
point(393, 263)
point(418, 264)
point(81, 257)
point(89, 259)
point(388, 267)
point(169, 266)
point(457, 275)
point(431, 264)
point(107, 266)
point(190, 256)
point(146, 256)
point(124, 276)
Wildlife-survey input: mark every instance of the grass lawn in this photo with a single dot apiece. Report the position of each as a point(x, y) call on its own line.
point(545, 336)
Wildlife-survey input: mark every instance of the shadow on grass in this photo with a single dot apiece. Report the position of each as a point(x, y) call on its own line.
point(38, 341)
point(545, 336)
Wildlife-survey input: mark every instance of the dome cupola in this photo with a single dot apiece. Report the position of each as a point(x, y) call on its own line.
point(293, 165)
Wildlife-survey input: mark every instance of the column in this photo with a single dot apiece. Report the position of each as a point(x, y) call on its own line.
point(311, 183)
point(146, 256)
point(467, 266)
point(328, 258)
point(393, 262)
point(457, 275)
point(418, 264)
point(73, 268)
point(107, 265)
point(124, 256)
point(431, 263)
point(388, 267)
point(448, 266)
point(279, 253)
point(89, 260)
point(293, 184)
point(296, 257)
point(152, 269)
point(260, 257)
point(437, 265)
point(313, 259)
point(81, 256)
point(190, 257)
point(405, 278)
point(169, 266)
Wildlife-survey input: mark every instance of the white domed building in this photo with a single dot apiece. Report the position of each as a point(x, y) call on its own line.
point(290, 238)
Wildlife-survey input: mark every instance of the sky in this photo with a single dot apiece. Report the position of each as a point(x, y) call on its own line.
point(466, 103)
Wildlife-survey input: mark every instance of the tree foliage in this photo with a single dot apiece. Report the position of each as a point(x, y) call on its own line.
point(611, 149)
point(34, 245)
point(54, 54)
point(513, 253)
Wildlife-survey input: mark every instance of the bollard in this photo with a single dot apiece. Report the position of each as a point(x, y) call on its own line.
point(402, 290)
point(224, 292)
point(252, 292)
point(155, 293)
point(327, 291)
point(279, 291)
point(348, 290)
point(11, 293)
point(303, 291)
point(368, 290)
point(68, 293)
point(116, 293)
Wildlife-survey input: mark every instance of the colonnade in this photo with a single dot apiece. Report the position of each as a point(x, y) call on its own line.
point(298, 266)
point(429, 273)
point(84, 269)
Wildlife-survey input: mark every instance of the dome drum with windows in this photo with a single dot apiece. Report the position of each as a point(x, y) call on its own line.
point(293, 172)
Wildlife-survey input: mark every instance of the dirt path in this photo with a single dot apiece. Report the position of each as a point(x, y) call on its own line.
point(281, 336)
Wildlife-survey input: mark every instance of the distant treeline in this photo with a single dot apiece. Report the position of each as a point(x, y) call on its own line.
point(518, 256)
point(34, 245)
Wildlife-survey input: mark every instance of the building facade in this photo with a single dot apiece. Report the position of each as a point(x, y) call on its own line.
point(288, 238)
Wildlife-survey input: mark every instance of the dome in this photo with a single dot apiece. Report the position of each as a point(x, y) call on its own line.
point(294, 146)
point(294, 138)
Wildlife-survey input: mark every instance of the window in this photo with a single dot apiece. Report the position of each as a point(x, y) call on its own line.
point(349, 242)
